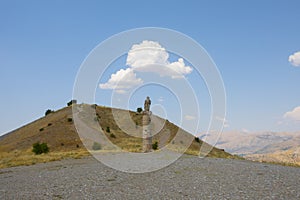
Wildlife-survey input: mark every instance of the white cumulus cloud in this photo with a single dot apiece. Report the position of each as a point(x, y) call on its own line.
point(147, 53)
point(294, 59)
point(122, 80)
point(179, 68)
point(189, 117)
point(148, 56)
point(293, 115)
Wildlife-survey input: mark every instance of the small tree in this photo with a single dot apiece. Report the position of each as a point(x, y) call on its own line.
point(107, 129)
point(38, 148)
point(96, 146)
point(72, 102)
point(155, 145)
point(48, 112)
point(139, 110)
point(197, 139)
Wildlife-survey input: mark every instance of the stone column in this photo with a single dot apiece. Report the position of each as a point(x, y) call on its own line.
point(147, 137)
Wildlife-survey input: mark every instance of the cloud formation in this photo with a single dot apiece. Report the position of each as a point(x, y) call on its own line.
point(224, 121)
point(293, 115)
point(294, 59)
point(146, 53)
point(189, 117)
point(148, 56)
point(244, 130)
point(122, 80)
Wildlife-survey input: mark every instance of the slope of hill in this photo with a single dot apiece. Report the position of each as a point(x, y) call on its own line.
point(57, 129)
point(278, 147)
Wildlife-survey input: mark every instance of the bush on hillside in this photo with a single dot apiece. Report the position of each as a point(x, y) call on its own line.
point(96, 146)
point(155, 145)
point(197, 139)
point(139, 110)
point(72, 102)
point(38, 148)
point(48, 112)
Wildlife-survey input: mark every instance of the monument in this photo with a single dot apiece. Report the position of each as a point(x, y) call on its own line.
point(147, 137)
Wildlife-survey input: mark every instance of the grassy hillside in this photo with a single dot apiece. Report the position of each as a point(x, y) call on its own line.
point(58, 131)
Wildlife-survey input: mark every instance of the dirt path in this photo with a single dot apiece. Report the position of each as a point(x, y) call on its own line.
point(188, 178)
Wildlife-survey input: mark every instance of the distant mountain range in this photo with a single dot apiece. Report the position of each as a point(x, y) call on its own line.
point(283, 147)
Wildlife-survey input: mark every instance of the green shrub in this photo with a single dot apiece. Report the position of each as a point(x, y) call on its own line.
point(96, 146)
point(70, 119)
point(72, 102)
point(112, 135)
point(139, 110)
point(41, 129)
point(38, 148)
point(107, 129)
point(197, 139)
point(155, 145)
point(48, 112)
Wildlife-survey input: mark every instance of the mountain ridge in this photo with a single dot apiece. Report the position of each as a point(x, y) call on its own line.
point(268, 146)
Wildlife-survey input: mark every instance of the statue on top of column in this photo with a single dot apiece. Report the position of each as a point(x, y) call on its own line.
point(147, 104)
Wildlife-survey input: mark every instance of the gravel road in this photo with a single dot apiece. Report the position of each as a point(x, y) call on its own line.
point(188, 178)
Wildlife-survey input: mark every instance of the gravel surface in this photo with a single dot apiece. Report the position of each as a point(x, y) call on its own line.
point(188, 178)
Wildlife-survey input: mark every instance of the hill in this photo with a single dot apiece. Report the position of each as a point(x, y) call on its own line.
point(277, 147)
point(57, 129)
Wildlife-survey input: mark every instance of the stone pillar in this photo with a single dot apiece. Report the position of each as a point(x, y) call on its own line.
point(147, 137)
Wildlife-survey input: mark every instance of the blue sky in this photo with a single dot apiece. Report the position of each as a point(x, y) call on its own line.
point(43, 44)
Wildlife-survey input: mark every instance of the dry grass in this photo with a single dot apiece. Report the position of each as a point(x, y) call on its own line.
point(18, 158)
point(287, 158)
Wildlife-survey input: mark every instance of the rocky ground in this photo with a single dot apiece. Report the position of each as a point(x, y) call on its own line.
point(189, 177)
